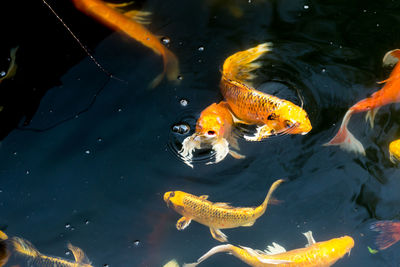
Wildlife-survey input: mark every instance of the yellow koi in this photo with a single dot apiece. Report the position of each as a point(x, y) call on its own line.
point(214, 215)
point(35, 258)
point(321, 254)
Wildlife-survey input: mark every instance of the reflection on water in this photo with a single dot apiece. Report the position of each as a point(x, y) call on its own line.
point(328, 51)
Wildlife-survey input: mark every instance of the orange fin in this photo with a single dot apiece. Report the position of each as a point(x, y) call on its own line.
point(3, 236)
point(345, 139)
point(236, 155)
point(389, 233)
point(171, 68)
point(141, 17)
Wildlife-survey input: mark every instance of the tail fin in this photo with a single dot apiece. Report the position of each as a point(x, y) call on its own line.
point(389, 233)
point(222, 248)
point(345, 139)
point(238, 66)
point(24, 247)
point(267, 198)
point(171, 68)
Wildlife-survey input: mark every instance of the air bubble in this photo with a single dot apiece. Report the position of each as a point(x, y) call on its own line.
point(67, 225)
point(183, 102)
point(323, 70)
point(3, 73)
point(180, 77)
point(87, 152)
point(136, 243)
point(306, 7)
point(201, 48)
point(165, 40)
point(181, 128)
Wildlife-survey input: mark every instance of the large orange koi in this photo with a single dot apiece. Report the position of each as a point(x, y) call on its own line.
point(321, 254)
point(250, 106)
point(390, 93)
point(214, 215)
point(131, 24)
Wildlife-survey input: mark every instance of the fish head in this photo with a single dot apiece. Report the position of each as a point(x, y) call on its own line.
point(174, 199)
point(215, 122)
point(292, 119)
point(346, 243)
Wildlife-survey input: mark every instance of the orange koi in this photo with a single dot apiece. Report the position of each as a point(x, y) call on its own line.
point(250, 106)
point(321, 254)
point(390, 93)
point(213, 128)
point(389, 233)
point(214, 215)
point(131, 24)
point(35, 258)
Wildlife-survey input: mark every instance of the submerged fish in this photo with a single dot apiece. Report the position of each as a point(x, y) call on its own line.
point(394, 151)
point(321, 254)
point(390, 93)
point(213, 129)
point(35, 258)
point(12, 68)
point(250, 106)
point(131, 24)
point(4, 252)
point(214, 215)
point(389, 233)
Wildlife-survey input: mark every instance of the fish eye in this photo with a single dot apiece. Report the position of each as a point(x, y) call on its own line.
point(271, 117)
point(211, 133)
point(172, 194)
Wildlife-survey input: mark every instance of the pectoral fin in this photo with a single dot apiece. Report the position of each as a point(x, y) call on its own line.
point(141, 17)
point(236, 155)
point(218, 235)
point(182, 223)
point(79, 255)
point(310, 238)
point(248, 224)
point(263, 132)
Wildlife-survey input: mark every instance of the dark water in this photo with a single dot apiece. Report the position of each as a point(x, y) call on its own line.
point(87, 162)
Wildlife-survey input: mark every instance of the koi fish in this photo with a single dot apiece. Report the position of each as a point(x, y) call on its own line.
point(12, 68)
point(389, 233)
point(214, 215)
point(131, 24)
point(250, 106)
point(35, 258)
point(213, 128)
point(4, 252)
point(321, 254)
point(394, 151)
point(390, 93)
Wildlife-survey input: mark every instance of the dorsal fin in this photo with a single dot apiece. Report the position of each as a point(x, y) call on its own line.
point(79, 255)
point(204, 197)
point(24, 247)
point(223, 205)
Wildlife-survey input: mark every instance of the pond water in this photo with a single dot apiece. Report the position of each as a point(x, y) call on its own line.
point(86, 159)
